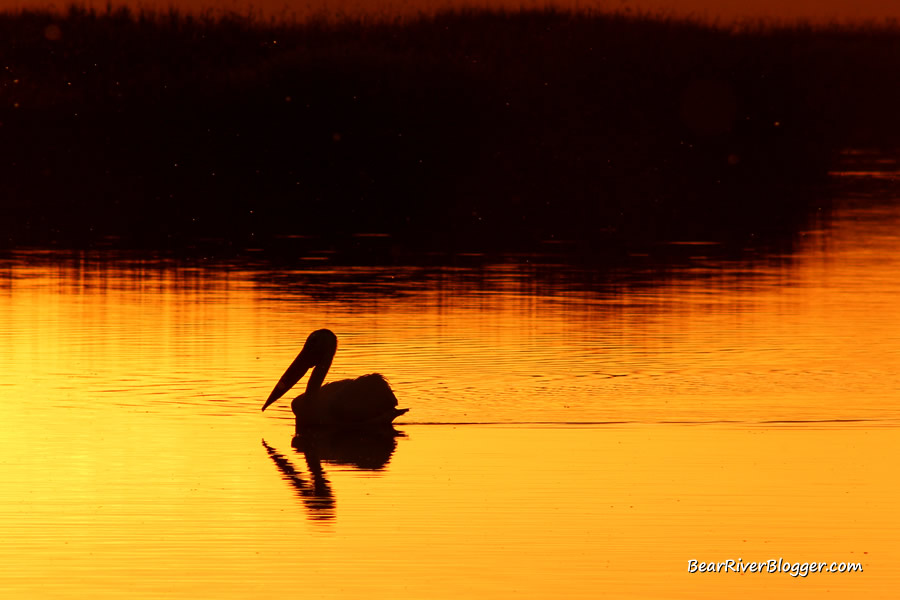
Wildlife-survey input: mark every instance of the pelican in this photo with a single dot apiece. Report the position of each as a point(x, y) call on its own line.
point(366, 401)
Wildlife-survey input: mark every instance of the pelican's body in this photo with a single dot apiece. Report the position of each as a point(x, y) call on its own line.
point(366, 401)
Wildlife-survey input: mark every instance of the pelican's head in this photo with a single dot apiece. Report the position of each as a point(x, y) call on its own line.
point(318, 350)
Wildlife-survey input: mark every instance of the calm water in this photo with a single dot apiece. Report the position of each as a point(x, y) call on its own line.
point(571, 435)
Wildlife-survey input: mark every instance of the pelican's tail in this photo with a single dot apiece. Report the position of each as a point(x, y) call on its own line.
point(388, 417)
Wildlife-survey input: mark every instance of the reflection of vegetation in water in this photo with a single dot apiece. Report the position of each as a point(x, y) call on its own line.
point(464, 125)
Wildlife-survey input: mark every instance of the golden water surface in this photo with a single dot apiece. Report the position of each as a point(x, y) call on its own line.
point(571, 434)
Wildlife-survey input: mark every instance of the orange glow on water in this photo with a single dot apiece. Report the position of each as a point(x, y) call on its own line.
point(483, 511)
point(132, 460)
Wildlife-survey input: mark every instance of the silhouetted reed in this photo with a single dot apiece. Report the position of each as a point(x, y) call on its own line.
point(163, 128)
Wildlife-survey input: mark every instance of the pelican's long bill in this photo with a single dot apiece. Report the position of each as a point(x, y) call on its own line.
point(290, 378)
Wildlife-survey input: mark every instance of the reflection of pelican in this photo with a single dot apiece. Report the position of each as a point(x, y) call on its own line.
point(362, 402)
point(317, 496)
point(369, 450)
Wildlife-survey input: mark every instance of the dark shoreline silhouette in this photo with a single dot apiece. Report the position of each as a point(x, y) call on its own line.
point(459, 130)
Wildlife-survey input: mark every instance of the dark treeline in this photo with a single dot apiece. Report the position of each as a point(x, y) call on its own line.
point(464, 127)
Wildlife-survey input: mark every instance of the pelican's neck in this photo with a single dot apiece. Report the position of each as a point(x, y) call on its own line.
point(318, 376)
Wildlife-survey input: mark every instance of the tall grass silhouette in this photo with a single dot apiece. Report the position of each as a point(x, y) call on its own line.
point(459, 127)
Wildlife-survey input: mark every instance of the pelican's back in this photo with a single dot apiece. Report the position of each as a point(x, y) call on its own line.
point(366, 399)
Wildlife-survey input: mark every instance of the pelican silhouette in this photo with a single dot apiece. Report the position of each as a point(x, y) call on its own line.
point(366, 401)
